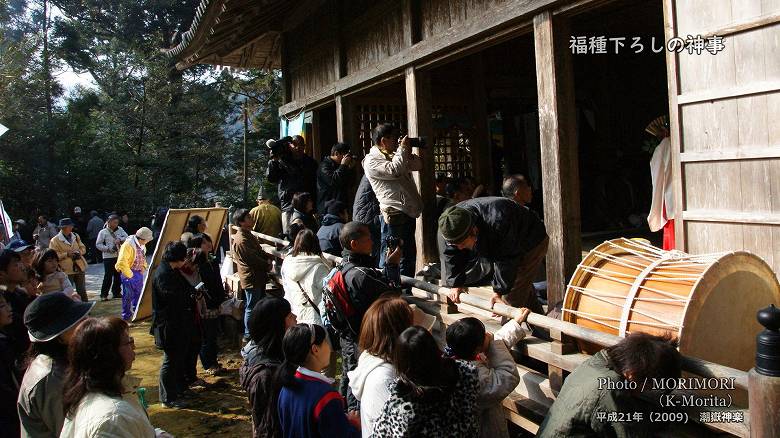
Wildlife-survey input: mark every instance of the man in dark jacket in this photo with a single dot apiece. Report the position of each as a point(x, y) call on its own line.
point(365, 209)
point(335, 176)
point(330, 230)
point(365, 284)
point(492, 240)
point(294, 171)
point(174, 324)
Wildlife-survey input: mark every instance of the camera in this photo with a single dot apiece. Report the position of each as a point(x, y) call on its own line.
point(392, 243)
point(417, 142)
point(279, 148)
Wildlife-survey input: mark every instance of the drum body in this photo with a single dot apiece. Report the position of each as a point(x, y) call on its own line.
point(708, 303)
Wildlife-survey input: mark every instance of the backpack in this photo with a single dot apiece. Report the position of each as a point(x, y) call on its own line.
point(337, 302)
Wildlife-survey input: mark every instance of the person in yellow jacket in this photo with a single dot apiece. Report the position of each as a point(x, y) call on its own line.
point(70, 252)
point(131, 264)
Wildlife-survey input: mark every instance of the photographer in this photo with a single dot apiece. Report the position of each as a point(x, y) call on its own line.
point(389, 168)
point(70, 250)
point(335, 175)
point(293, 170)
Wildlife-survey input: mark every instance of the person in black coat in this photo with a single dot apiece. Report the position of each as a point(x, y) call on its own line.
point(366, 209)
point(364, 283)
point(174, 323)
point(335, 176)
point(293, 171)
point(492, 240)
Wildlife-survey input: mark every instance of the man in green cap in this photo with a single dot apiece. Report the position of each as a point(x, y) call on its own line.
point(493, 241)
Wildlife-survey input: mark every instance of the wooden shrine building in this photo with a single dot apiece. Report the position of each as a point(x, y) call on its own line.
point(497, 89)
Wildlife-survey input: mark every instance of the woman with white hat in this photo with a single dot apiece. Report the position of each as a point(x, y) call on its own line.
point(132, 265)
point(51, 320)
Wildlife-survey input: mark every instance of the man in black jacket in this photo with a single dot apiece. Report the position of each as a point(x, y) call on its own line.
point(492, 240)
point(294, 171)
point(366, 209)
point(174, 325)
point(365, 284)
point(335, 176)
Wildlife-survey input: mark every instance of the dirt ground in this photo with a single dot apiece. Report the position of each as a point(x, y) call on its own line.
point(220, 408)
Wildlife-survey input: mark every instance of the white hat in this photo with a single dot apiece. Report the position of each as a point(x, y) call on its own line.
point(144, 233)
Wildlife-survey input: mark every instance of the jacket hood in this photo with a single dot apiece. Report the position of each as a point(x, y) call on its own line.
point(330, 219)
point(297, 268)
point(250, 351)
point(367, 363)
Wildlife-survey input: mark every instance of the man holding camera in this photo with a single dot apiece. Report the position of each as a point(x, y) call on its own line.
point(70, 251)
point(389, 168)
point(334, 177)
point(293, 170)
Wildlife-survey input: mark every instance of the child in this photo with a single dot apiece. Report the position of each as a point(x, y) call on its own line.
point(52, 279)
point(307, 403)
point(468, 340)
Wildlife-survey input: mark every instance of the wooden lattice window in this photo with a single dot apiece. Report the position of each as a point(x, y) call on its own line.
point(451, 145)
point(371, 115)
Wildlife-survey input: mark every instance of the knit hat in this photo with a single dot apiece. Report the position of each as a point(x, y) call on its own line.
point(455, 224)
point(335, 207)
point(50, 315)
point(144, 233)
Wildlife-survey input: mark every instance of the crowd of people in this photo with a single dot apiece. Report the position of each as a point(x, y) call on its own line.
point(65, 374)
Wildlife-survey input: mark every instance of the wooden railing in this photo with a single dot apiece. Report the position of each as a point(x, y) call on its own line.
point(528, 404)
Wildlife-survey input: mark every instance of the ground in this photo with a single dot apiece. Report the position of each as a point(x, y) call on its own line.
point(220, 408)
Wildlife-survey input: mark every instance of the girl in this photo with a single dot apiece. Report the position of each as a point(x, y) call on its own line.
point(303, 271)
point(46, 265)
point(100, 400)
point(370, 382)
point(497, 371)
point(433, 396)
point(303, 213)
point(263, 354)
point(308, 406)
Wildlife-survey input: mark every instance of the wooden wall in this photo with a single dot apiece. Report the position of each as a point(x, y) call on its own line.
point(310, 52)
point(439, 15)
point(373, 35)
point(725, 112)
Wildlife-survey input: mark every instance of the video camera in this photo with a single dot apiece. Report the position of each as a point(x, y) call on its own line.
point(417, 142)
point(279, 148)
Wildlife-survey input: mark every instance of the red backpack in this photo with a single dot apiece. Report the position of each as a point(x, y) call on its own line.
point(337, 302)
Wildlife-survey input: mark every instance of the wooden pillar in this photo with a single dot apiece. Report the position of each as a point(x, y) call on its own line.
point(558, 139)
point(344, 122)
point(339, 52)
point(410, 19)
point(286, 79)
point(420, 124)
point(316, 142)
point(764, 378)
point(481, 147)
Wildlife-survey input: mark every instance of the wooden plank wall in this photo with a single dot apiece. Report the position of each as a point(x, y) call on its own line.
point(311, 53)
point(439, 15)
point(374, 36)
point(728, 135)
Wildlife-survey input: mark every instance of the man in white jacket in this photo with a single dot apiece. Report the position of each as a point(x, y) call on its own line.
point(388, 167)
